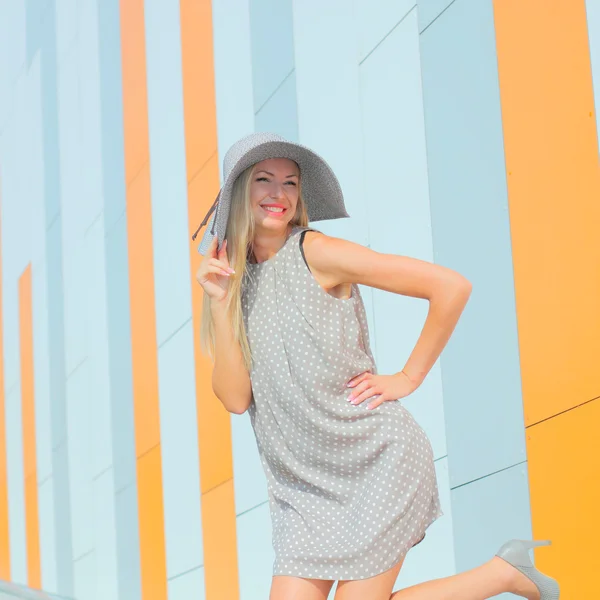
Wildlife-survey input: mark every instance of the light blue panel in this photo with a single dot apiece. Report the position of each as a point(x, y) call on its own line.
point(16, 489)
point(327, 86)
point(42, 37)
point(80, 437)
point(10, 301)
point(233, 72)
point(90, 108)
point(62, 517)
point(66, 27)
point(469, 211)
point(121, 410)
point(41, 374)
point(121, 401)
point(279, 113)
point(69, 134)
point(56, 333)
point(12, 29)
point(111, 111)
point(16, 247)
point(119, 340)
point(433, 558)
point(35, 164)
point(75, 274)
point(375, 20)
point(250, 483)
point(179, 451)
point(47, 535)
point(97, 338)
point(255, 553)
point(397, 188)
point(593, 21)
point(430, 10)
point(168, 177)
point(8, 32)
point(489, 512)
point(98, 359)
point(105, 536)
point(189, 585)
point(84, 577)
point(43, 40)
point(71, 202)
point(128, 544)
point(272, 45)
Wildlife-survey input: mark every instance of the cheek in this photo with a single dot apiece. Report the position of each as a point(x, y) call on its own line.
point(256, 194)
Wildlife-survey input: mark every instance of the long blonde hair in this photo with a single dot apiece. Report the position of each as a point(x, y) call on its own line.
point(240, 235)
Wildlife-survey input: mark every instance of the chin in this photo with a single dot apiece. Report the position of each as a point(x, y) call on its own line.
point(274, 224)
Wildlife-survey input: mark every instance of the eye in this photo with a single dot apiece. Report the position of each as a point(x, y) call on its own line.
point(291, 183)
point(261, 179)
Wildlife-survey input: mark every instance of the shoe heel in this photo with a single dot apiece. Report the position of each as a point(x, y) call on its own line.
point(536, 543)
point(516, 553)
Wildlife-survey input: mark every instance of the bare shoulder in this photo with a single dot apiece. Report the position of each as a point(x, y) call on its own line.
point(335, 261)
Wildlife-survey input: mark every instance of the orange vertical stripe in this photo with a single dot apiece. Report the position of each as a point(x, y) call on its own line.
point(32, 527)
point(143, 317)
point(554, 186)
point(550, 141)
point(214, 424)
point(4, 531)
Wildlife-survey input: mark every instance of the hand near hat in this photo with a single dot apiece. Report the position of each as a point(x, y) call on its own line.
point(214, 271)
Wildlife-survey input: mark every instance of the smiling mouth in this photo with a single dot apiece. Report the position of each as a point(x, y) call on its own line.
point(274, 210)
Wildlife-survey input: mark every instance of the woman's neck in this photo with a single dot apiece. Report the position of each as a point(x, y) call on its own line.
point(252, 256)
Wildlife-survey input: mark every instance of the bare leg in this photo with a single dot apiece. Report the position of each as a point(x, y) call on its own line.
point(488, 580)
point(493, 577)
point(284, 587)
point(372, 588)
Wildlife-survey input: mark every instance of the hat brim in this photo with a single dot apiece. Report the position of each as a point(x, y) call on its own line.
point(320, 187)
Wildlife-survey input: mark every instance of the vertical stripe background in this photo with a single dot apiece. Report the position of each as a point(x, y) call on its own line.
point(4, 517)
point(552, 162)
point(32, 529)
point(464, 132)
point(142, 303)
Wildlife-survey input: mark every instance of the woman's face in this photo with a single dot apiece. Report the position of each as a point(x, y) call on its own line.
point(274, 193)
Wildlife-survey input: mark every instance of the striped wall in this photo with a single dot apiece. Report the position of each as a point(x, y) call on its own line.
point(552, 162)
point(464, 132)
point(5, 572)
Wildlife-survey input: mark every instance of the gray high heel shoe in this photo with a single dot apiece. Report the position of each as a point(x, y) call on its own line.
point(516, 553)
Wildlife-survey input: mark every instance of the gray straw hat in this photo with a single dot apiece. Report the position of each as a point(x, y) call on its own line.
point(320, 187)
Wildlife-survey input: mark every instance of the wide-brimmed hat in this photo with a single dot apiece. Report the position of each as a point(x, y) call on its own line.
point(320, 187)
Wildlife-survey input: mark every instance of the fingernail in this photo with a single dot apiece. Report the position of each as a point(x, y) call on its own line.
point(231, 270)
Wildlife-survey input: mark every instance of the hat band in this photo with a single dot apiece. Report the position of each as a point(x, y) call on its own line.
point(207, 216)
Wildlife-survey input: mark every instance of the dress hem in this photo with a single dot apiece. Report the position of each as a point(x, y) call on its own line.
point(396, 560)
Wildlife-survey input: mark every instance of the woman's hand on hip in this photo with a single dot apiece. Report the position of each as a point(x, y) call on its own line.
point(385, 387)
point(214, 271)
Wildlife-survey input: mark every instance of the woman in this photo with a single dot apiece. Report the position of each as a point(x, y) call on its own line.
point(351, 485)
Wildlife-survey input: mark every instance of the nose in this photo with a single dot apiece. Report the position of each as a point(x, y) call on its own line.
point(277, 190)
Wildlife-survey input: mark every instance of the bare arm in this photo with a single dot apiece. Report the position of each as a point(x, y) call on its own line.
point(230, 378)
point(334, 261)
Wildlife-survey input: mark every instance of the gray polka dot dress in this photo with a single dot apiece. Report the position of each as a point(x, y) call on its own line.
point(351, 490)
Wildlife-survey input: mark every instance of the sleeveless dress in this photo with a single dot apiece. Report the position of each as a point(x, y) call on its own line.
point(350, 490)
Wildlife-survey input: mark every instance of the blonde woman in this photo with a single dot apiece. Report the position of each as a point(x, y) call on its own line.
point(350, 474)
